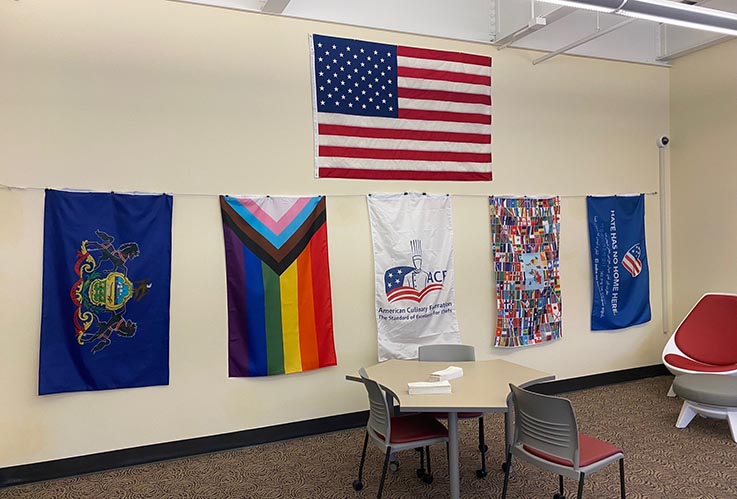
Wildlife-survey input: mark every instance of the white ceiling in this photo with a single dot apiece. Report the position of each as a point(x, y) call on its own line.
point(494, 21)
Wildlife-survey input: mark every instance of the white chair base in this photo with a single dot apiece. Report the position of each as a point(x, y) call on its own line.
point(671, 393)
point(690, 409)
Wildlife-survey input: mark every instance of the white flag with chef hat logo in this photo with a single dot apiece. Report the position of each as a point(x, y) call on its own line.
point(412, 235)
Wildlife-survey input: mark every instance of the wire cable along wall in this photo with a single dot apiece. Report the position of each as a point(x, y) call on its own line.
point(341, 195)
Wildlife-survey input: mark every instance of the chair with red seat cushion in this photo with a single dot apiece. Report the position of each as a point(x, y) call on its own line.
point(546, 435)
point(396, 433)
point(706, 339)
point(457, 353)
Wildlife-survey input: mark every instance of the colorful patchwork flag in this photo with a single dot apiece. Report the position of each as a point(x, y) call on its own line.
point(618, 261)
point(412, 235)
point(524, 240)
point(280, 314)
point(402, 113)
point(106, 278)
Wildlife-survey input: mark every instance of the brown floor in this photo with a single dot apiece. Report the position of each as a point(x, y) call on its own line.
point(661, 462)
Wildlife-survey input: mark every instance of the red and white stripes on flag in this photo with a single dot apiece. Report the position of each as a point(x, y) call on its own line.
point(631, 261)
point(393, 112)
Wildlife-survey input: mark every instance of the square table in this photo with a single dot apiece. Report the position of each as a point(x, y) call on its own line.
point(484, 387)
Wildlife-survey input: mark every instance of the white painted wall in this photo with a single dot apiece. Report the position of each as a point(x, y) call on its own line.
point(164, 96)
point(704, 175)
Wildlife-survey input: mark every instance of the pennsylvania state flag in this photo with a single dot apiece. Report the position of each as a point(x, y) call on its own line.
point(106, 279)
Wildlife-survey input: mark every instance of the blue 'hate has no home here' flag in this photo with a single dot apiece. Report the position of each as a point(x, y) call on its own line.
point(618, 261)
point(106, 280)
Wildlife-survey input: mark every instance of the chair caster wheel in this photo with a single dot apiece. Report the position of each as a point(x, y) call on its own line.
point(483, 448)
point(394, 465)
point(482, 473)
point(420, 472)
point(504, 467)
point(357, 484)
point(427, 478)
point(558, 496)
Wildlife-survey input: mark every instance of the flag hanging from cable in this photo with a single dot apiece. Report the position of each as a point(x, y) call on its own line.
point(106, 281)
point(618, 261)
point(525, 238)
point(412, 235)
point(280, 315)
point(400, 113)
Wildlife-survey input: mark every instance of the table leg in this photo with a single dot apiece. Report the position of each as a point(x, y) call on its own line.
point(394, 411)
point(453, 474)
point(508, 425)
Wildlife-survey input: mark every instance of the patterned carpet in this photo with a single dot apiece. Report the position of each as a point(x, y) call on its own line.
point(661, 462)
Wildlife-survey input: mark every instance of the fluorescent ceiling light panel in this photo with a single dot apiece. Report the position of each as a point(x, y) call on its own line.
point(662, 11)
point(689, 16)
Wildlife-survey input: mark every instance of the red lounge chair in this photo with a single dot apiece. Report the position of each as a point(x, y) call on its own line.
point(706, 340)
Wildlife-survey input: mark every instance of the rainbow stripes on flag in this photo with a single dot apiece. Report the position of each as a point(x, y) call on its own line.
point(280, 318)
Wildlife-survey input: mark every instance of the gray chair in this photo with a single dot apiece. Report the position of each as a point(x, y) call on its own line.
point(457, 353)
point(546, 435)
point(396, 433)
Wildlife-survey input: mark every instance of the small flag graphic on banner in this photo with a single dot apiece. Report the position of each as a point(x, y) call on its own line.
point(399, 285)
point(631, 261)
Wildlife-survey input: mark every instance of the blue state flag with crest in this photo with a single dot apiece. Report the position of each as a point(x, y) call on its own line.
point(618, 261)
point(106, 283)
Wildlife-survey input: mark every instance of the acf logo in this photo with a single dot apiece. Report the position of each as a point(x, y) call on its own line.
point(412, 283)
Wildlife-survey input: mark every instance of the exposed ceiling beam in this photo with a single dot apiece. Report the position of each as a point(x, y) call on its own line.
point(535, 24)
point(694, 48)
point(275, 6)
point(581, 41)
point(600, 33)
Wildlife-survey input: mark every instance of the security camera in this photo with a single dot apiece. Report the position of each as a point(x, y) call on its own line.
point(663, 141)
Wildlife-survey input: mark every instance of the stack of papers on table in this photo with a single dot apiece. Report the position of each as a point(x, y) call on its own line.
point(425, 387)
point(446, 374)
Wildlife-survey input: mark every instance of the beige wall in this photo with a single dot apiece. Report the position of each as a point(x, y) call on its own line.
point(704, 175)
point(159, 96)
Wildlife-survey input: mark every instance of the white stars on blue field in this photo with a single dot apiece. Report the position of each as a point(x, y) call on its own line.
point(355, 77)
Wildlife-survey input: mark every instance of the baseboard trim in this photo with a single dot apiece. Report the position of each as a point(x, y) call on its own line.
point(601, 379)
point(59, 468)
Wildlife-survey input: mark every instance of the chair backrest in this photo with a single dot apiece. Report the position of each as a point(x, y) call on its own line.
point(545, 423)
point(379, 416)
point(450, 353)
point(709, 332)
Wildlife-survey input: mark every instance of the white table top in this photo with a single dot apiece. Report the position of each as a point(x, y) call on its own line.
point(484, 386)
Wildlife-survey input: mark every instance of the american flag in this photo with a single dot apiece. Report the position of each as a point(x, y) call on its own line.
point(403, 113)
point(631, 260)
